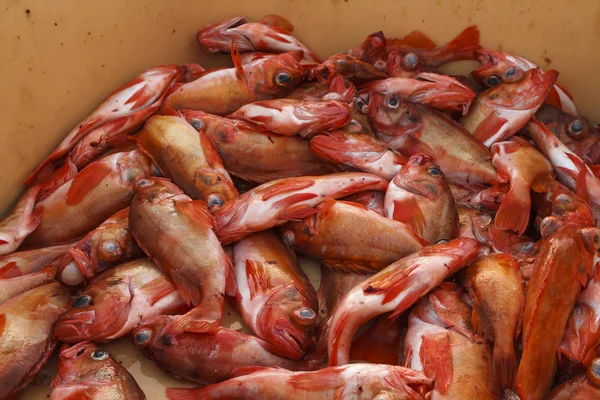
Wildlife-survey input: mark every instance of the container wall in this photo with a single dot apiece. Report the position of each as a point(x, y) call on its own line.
point(59, 59)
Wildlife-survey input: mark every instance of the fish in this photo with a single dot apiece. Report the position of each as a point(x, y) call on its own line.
point(86, 371)
point(349, 237)
point(26, 262)
point(360, 151)
point(335, 284)
point(125, 106)
point(275, 298)
point(290, 117)
point(395, 289)
point(188, 157)
point(420, 198)
point(501, 111)
point(355, 381)
point(440, 92)
point(97, 192)
point(222, 91)
point(382, 343)
point(206, 358)
point(10, 287)
point(118, 300)
point(110, 244)
point(19, 222)
point(497, 67)
point(526, 169)
point(355, 70)
point(271, 35)
point(176, 232)
point(276, 202)
point(496, 289)
point(575, 132)
point(584, 387)
point(411, 129)
point(560, 271)
point(26, 342)
point(372, 50)
point(441, 343)
point(371, 199)
point(256, 155)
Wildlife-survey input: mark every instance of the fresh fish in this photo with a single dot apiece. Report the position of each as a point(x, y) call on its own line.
point(30, 261)
point(278, 201)
point(26, 342)
point(116, 301)
point(274, 296)
point(255, 155)
point(585, 387)
point(351, 68)
point(87, 372)
point(496, 288)
point(394, 289)
point(177, 234)
point(420, 198)
point(188, 157)
point(205, 357)
point(372, 199)
point(499, 112)
point(10, 287)
point(20, 221)
point(351, 238)
point(97, 192)
point(351, 382)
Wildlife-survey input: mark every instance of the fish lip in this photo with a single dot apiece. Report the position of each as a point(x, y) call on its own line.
point(288, 343)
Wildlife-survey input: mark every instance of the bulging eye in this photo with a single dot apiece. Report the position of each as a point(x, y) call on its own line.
point(82, 301)
point(197, 124)
point(393, 102)
point(576, 128)
point(109, 251)
point(283, 78)
point(99, 355)
point(435, 171)
point(492, 81)
point(142, 336)
point(215, 200)
point(512, 71)
point(410, 61)
point(142, 183)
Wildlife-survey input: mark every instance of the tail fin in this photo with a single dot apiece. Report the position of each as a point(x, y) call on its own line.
point(505, 365)
point(462, 46)
point(513, 213)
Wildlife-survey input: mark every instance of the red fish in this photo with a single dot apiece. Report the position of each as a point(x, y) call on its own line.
point(585, 387)
point(10, 287)
point(278, 201)
point(27, 262)
point(20, 221)
point(351, 68)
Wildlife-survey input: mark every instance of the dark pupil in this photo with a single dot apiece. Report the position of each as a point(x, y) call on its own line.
point(197, 124)
point(81, 301)
point(493, 80)
point(215, 200)
point(98, 354)
point(142, 336)
point(306, 313)
point(283, 78)
point(510, 72)
point(434, 171)
point(393, 102)
point(359, 103)
point(576, 126)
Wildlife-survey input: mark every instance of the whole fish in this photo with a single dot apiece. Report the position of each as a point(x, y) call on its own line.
point(411, 129)
point(97, 192)
point(360, 151)
point(574, 132)
point(125, 107)
point(177, 234)
point(10, 287)
point(30, 261)
point(188, 157)
point(420, 198)
point(497, 67)
point(351, 238)
point(394, 289)
point(437, 91)
point(372, 199)
point(561, 269)
point(26, 342)
point(274, 296)
point(584, 387)
point(295, 117)
point(278, 201)
point(496, 288)
point(206, 357)
point(499, 112)
point(256, 155)
point(527, 169)
point(440, 343)
point(20, 221)
point(116, 301)
point(349, 67)
point(110, 244)
point(87, 372)
point(222, 91)
point(351, 382)
point(271, 35)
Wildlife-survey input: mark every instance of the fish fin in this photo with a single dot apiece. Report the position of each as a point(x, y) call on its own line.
point(158, 288)
point(86, 181)
point(513, 213)
point(278, 21)
point(504, 362)
point(317, 381)
point(170, 112)
point(436, 358)
point(189, 292)
point(408, 211)
point(230, 284)
point(10, 270)
point(197, 211)
point(241, 371)
point(286, 186)
point(462, 46)
point(416, 39)
point(189, 323)
point(580, 180)
point(210, 152)
point(259, 279)
point(293, 209)
point(276, 34)
point(2, 323)
point(237, 60)
point(489, 127)
point(348, 266)
point(141, 97)
point(85, 127)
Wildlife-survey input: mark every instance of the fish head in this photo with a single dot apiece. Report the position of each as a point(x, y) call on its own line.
point(497, 67)
point(287, 321)
point(135, 165)
point(422, 177)
point(579, 136)
point(154, 190)
point(275, 76)
point(219, 36)
point(388, 115)
point(99, 312)
point(147, 334)
point(373, 48)
point(84, 364)
point(402, 65)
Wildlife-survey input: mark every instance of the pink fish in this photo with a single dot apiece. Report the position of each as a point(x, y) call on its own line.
point(27, 262)
point(10, 287)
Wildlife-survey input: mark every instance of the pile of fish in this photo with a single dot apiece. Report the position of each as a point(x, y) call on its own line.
point(456, 213)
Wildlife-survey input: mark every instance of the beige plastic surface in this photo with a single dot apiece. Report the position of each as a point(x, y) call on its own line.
point(60, 58)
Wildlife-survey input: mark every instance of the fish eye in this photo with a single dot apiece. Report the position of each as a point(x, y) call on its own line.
point(410, 61)
point(393, 102)
point(82, 301)
point(99, 355)
point(512, 71)
point(215, 200)
point(441, 241)
point(109, 251)
point(289, 239)
point(142, 183)
point(435, 171)
point(142, 336)
point(197, 124)
point(283, 78)
point(492, 81)
point(576, 128)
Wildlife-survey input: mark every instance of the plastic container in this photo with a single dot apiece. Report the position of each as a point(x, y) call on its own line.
point(60, 59)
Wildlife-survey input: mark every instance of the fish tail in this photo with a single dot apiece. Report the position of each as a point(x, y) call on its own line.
point(462, 46)
point(513, 213)
point(505, 365)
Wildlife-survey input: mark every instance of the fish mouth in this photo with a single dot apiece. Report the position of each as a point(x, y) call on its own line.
point(74, 327)
point(290, 344)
